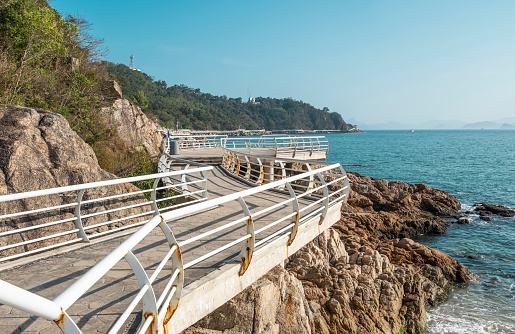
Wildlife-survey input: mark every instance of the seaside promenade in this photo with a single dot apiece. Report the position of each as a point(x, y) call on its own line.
point(210, 239)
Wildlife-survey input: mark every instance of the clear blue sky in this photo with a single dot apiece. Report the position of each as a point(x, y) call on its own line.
point(375, 61)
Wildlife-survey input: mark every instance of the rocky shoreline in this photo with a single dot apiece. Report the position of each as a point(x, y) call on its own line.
point(362, 276)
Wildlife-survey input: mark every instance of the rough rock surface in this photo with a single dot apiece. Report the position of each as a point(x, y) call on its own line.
point(274, 304)
point(133, 126)
point(364, 275)
point(39, 150)
point(485, 209)
point(378, 209)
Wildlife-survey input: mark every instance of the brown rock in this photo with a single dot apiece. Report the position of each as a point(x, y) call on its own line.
point(491, 209)
point(39, 150)
point(274, 304)
point(111, 91)
point(133, 126)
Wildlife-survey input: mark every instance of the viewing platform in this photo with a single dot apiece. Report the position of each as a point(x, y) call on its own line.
point(195, 239)
point(210, 149)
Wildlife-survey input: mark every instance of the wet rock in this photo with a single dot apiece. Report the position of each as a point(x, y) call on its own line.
point(491, 210)
point(463, 221)
point(485, 218)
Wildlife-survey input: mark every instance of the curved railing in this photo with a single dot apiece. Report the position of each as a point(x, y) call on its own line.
point(188, 183)
point(285, 146)
point(91, 210)
point(196, 141)
point(258, 169)
point(311, 194)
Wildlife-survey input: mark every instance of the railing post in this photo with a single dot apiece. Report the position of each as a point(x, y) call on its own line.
point(233, 161)
point(268, 171)
point(311, 184)
point(296, 219)
point(248, 251)
point(225, 159)
point(326, 197)
point(237, 168)
point(283, 173)
point(168, 179)
point(153, 197)
point(345, 185)
point(310, 147)
point(276, 148)
point(184, 187)
point(149, 299)
point(261, 172)
point(205, 175)
point(249, 168)
point(177, 264)
point(78, 221)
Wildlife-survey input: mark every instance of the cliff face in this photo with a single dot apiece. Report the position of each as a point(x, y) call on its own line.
point(132, 125)
point(362, 276)
point(39, 150)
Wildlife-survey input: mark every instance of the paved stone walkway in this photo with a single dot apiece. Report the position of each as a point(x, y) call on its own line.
point(97, 310)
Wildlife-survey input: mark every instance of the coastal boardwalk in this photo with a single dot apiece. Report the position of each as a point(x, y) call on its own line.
point(101, 305)
point(213, 156)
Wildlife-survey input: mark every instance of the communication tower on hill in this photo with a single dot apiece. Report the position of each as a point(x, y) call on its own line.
point(132, 62)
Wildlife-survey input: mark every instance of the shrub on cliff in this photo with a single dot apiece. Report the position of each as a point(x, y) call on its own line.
point(51, 62)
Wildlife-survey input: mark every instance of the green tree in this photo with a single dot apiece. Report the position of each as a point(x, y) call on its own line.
point(141, 100)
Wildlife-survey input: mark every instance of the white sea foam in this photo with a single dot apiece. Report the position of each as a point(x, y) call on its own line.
point(462, 313)
point(445, 324)
point(466, 207)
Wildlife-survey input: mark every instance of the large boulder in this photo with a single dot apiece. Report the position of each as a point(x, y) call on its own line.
point(39, 150)
point(387, 210)
point(132, 125)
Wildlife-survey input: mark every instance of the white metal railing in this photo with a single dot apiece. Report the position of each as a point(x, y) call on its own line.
point(311, 194)
point(91, 210)
point(257, 169)
point(286, 146)
point(183, 183)
point(197, 142)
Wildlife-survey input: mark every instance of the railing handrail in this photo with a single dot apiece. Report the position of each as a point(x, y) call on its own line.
point(57, 190)
point(282, 144)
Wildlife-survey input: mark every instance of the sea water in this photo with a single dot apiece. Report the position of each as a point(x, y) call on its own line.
point(475, 166)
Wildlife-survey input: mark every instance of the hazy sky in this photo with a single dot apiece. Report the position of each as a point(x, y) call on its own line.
point(374, 61)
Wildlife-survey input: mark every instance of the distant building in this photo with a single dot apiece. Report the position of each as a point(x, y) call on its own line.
point(252, 100)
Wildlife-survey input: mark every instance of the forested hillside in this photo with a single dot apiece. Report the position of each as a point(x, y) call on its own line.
point(203, 111)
